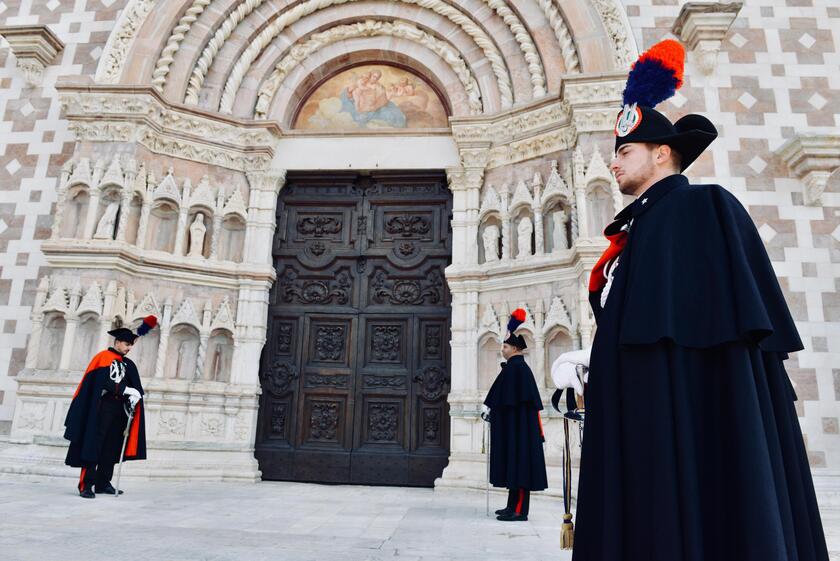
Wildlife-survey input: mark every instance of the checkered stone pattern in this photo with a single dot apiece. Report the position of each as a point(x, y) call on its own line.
point(34, 143)
point(778, 75)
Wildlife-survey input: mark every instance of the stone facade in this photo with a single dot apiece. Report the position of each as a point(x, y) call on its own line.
point(154, 113)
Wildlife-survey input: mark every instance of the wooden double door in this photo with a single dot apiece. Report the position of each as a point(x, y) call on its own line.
point(354, 373)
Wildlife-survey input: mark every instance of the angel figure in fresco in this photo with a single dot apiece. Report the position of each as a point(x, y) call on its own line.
point(367, 100)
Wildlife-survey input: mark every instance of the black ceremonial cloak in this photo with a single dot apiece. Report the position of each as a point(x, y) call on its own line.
point(517, 460)
point(83, 415)
point(692, 449)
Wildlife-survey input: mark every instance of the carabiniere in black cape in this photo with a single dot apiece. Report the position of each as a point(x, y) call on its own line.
point(517, 460)
point(83, 417)
point(692, 450)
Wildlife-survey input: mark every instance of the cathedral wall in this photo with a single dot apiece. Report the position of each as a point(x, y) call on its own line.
point(774, 78)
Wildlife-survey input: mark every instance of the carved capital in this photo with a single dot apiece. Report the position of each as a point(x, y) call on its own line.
point(34, 46)
point(812, 158)
point(702, 26)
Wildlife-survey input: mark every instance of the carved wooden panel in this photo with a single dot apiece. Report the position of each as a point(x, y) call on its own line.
point(355, 367)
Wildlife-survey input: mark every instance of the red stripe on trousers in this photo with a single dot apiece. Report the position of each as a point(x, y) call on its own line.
point(519, 503)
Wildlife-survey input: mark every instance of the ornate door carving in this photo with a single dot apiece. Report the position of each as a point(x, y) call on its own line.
point(355, 369)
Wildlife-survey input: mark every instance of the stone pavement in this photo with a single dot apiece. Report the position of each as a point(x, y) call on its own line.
point(45, 520)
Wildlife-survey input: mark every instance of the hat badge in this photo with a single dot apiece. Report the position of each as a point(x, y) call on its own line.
point(628, 120)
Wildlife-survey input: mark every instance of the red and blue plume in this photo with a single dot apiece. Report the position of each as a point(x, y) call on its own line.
point(149, 323)
point(517, 318)
point(657, 75)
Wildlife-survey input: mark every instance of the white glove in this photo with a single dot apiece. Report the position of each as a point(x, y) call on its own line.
point(564, 375)
point(133, 396)
point(576, 357)
point(485, 412)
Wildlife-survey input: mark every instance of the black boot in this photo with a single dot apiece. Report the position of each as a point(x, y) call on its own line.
point(87, 493)
point(107, 489)
point(506, 510)
point(512, 517)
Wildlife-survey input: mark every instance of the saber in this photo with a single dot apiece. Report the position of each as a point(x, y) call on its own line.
point(122, 451)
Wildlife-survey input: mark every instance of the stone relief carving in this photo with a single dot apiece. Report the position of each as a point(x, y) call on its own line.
point(299, 52)
point(120, 40)
point(289, 17)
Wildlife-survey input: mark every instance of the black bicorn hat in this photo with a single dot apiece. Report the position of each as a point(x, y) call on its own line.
point(123, 334)
point(654, 78)
point(128, 336)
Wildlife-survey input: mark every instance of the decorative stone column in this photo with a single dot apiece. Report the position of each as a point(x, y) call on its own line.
point(61, 201)
point(504, 195)
point(144, 223)
point(538, 357)
point(580, 194)
point(37, 323)
point(204, 337)
point(92, 214)
point(71, 321)
point(539, 231)
point(252, 309)
point(165, 328)
point(107, 317)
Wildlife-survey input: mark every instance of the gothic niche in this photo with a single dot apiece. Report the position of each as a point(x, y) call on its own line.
point(199, 233)
point(219, 354)
point(135, 209)
point(182, 352)
point(85, 342)
point(599, 207)
point(163, 226)
point(145, 351)
point(108, 213)
point(557, 224)
point(232, 238)
point(75, 212)
point(489, 358)
point(490, 239)
point(525, 240)
point(52, 341)
point(556, 343)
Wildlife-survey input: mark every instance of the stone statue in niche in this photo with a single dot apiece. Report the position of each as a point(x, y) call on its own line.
point(491, 243)
point(105, 228)
point(523, 240)
point(197, 233)
point(559, 238)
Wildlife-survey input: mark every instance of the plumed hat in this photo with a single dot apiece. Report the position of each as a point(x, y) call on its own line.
point(128, 336)
point(655, 77)
point(517, 318)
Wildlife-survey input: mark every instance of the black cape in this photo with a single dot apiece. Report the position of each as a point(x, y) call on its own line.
point(692, 449)
point(517, 459)
point(83, 415)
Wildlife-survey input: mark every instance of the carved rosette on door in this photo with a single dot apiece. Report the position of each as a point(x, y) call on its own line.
point(355, 368)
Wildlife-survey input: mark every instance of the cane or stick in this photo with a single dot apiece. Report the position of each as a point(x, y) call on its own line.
point(122, 450)
point(486, 442)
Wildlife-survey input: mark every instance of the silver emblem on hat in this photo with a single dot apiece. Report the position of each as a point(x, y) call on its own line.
point(629, 118)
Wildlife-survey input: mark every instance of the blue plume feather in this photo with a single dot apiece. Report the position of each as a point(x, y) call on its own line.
point(649, 83)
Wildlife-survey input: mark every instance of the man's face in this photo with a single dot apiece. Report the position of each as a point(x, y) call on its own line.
point(509, 350)
point(123, 347)
point(633, 166)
